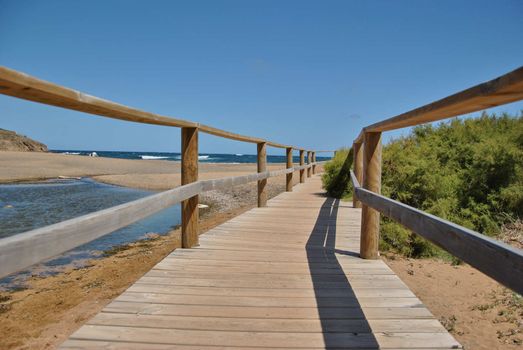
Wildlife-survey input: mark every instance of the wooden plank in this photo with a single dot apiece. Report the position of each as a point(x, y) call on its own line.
point(312, 302)
point(302, 163)
point(262, 167)
point(271, 277)
point(504, 89)
point(144, 287)
point(267, 325)
point(190, 212)
point(313, 163)
point(309, 160)
point(496, 259)
point(357, 151)
point(288, 180)
point(370, 218)
point(308, 313)
point(238, 339)
point(99, 344)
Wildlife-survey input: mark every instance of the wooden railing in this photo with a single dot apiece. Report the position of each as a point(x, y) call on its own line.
point(496, 259)
point(23, 250)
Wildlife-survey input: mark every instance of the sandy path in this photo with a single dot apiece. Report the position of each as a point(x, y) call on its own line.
point(477, 310)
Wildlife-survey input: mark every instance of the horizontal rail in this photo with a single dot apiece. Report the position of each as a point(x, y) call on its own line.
point(495, 259)
point(25, 249)
point(502, 90)
point(20, 85)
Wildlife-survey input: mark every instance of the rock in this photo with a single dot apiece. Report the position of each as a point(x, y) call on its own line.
point(11, 141)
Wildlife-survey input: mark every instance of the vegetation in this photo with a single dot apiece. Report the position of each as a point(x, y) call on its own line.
point(466, 171)
point(336, 178)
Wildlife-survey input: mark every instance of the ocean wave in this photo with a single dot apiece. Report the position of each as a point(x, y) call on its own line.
point(153, 157)
point(204, 157)
point(71, 153)
point(239, 154)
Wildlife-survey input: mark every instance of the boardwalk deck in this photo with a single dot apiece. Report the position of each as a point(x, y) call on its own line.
point(285, 276)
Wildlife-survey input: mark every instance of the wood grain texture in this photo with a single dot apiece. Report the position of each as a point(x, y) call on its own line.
point(313, 163)
point(370, 218)
point(358, 170)
point(284, 276)
point(189, 175)
point(262, 167)
point(302, 163)
point(288, 178)
point(309, 161)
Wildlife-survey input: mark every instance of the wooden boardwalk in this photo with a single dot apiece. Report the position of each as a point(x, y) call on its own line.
point(285, 276)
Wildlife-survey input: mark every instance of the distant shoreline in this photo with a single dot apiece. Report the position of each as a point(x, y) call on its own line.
point(204, 157)
point(157, 175)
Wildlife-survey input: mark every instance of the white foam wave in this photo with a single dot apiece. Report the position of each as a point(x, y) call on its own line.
point(71, 153)
point(203, 157)
point(239, 154)
point(152, 157)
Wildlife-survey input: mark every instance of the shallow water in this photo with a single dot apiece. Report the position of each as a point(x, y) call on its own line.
point(24, 207)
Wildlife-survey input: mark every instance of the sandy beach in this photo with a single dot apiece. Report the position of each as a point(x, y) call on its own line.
point(51, 308)
point(144, 174)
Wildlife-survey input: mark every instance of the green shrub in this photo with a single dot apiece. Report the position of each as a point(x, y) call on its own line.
point(467, 171)
point(336, 176)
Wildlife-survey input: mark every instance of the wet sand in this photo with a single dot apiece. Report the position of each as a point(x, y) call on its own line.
point(143, 174)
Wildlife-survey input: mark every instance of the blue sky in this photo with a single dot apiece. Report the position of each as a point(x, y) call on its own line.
point(308, 73)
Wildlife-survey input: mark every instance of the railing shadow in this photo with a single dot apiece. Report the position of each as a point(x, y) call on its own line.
point(342, 319)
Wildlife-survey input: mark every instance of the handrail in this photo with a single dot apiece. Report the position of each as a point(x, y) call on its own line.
point(494, 258)
point(25, 249)
point(24, 86)
point(21, 85)
point(502, 90)
point(479, 251)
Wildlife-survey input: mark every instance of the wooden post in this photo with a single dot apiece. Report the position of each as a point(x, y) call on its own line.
point(357, 152)
point(262, 167)
point(289, 165)
point(189, 174)
point(314, 161)
point(308, 162)
point(370, 218)
point(302, 162)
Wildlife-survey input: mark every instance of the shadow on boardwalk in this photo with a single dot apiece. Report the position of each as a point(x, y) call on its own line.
point(342, 319)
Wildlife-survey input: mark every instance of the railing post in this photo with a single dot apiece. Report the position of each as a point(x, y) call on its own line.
point(189, 174)
point(309, 162)
point(302, 162)
point(370, 218)
point(357, 152)
point(262, 167)
point(289, 165)
point(314, 160)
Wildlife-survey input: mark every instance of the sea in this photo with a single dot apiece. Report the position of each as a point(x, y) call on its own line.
point(229, 158)
point(27, 206)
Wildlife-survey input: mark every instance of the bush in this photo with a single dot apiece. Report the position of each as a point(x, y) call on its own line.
point(336, 176)
point(467, 171)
